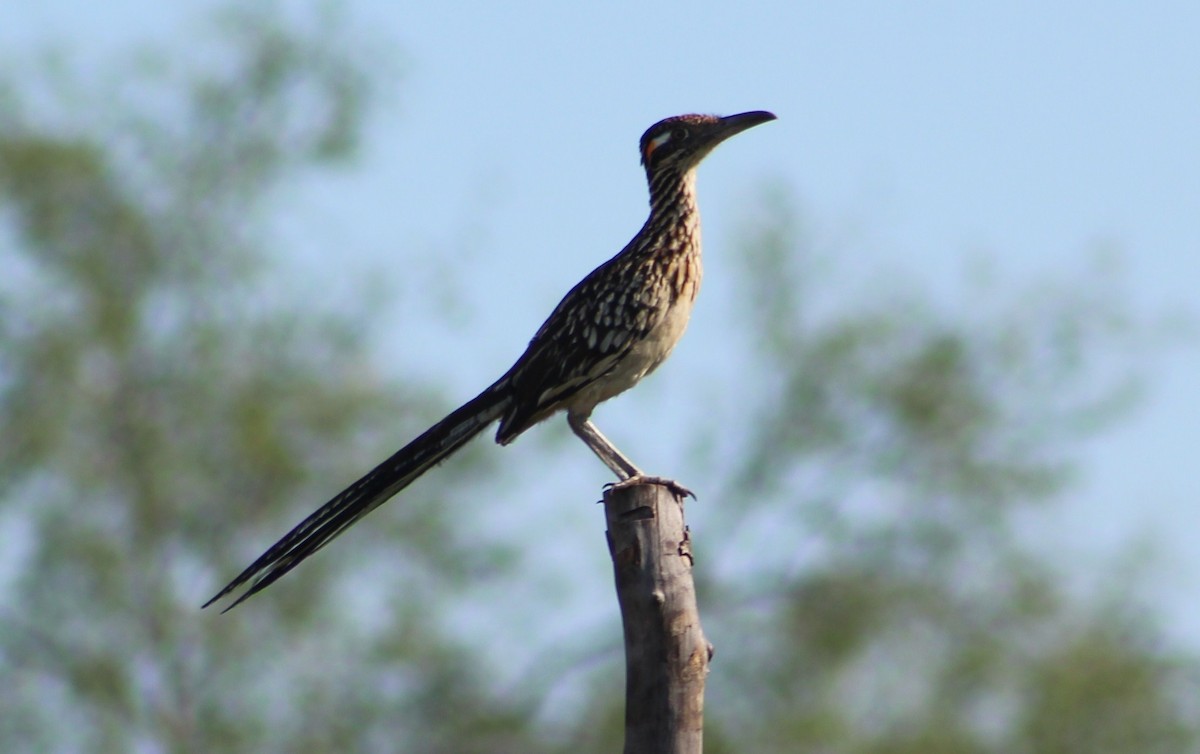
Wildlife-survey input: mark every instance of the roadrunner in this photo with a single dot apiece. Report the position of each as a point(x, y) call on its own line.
point(611, 330)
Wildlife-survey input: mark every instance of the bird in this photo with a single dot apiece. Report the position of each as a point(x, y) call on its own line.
point(616, 326)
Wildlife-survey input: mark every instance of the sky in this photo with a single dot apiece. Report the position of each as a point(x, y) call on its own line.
point(924, 135)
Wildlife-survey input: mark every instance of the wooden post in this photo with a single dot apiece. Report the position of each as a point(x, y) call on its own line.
point(666, 654)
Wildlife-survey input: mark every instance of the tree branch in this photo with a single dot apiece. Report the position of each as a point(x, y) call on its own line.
point(666, 653)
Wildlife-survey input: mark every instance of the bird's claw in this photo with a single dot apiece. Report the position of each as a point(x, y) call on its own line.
point(677, 489)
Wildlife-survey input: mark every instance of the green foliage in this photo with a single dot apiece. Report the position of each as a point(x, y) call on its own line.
point(163, 418)
point(1106, 689)
point(892, 607)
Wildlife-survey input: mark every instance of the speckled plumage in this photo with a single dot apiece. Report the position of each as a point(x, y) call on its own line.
point(611, 330)
point(618, 324)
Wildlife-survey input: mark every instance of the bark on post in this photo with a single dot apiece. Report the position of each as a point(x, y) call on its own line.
point(666, 653)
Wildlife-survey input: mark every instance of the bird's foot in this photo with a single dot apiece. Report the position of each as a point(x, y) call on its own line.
point(677, 489)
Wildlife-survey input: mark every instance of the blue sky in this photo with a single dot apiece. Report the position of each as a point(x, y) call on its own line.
point(922, 134)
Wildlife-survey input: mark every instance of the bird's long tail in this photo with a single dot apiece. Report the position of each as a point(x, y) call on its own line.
point(368, 493)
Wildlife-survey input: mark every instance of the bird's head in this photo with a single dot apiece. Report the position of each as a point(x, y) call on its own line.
point(681, 142)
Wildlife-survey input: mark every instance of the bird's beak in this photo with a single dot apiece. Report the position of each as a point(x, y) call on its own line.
point(735, 124)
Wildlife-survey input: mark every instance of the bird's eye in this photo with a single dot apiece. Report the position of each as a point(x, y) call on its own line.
point(679, 134)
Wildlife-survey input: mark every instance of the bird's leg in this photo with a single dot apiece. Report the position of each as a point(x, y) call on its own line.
point(607, 452)
point(614, 459)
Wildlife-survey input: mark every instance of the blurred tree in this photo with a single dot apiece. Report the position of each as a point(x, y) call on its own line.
point(164, 411)
point(893, 606)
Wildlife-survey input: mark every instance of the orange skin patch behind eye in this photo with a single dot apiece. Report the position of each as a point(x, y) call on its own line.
point(654, 144)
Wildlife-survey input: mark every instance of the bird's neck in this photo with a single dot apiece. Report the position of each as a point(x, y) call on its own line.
point(673, 208)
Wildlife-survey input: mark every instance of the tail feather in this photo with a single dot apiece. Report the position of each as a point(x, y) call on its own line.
point(369, 492)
